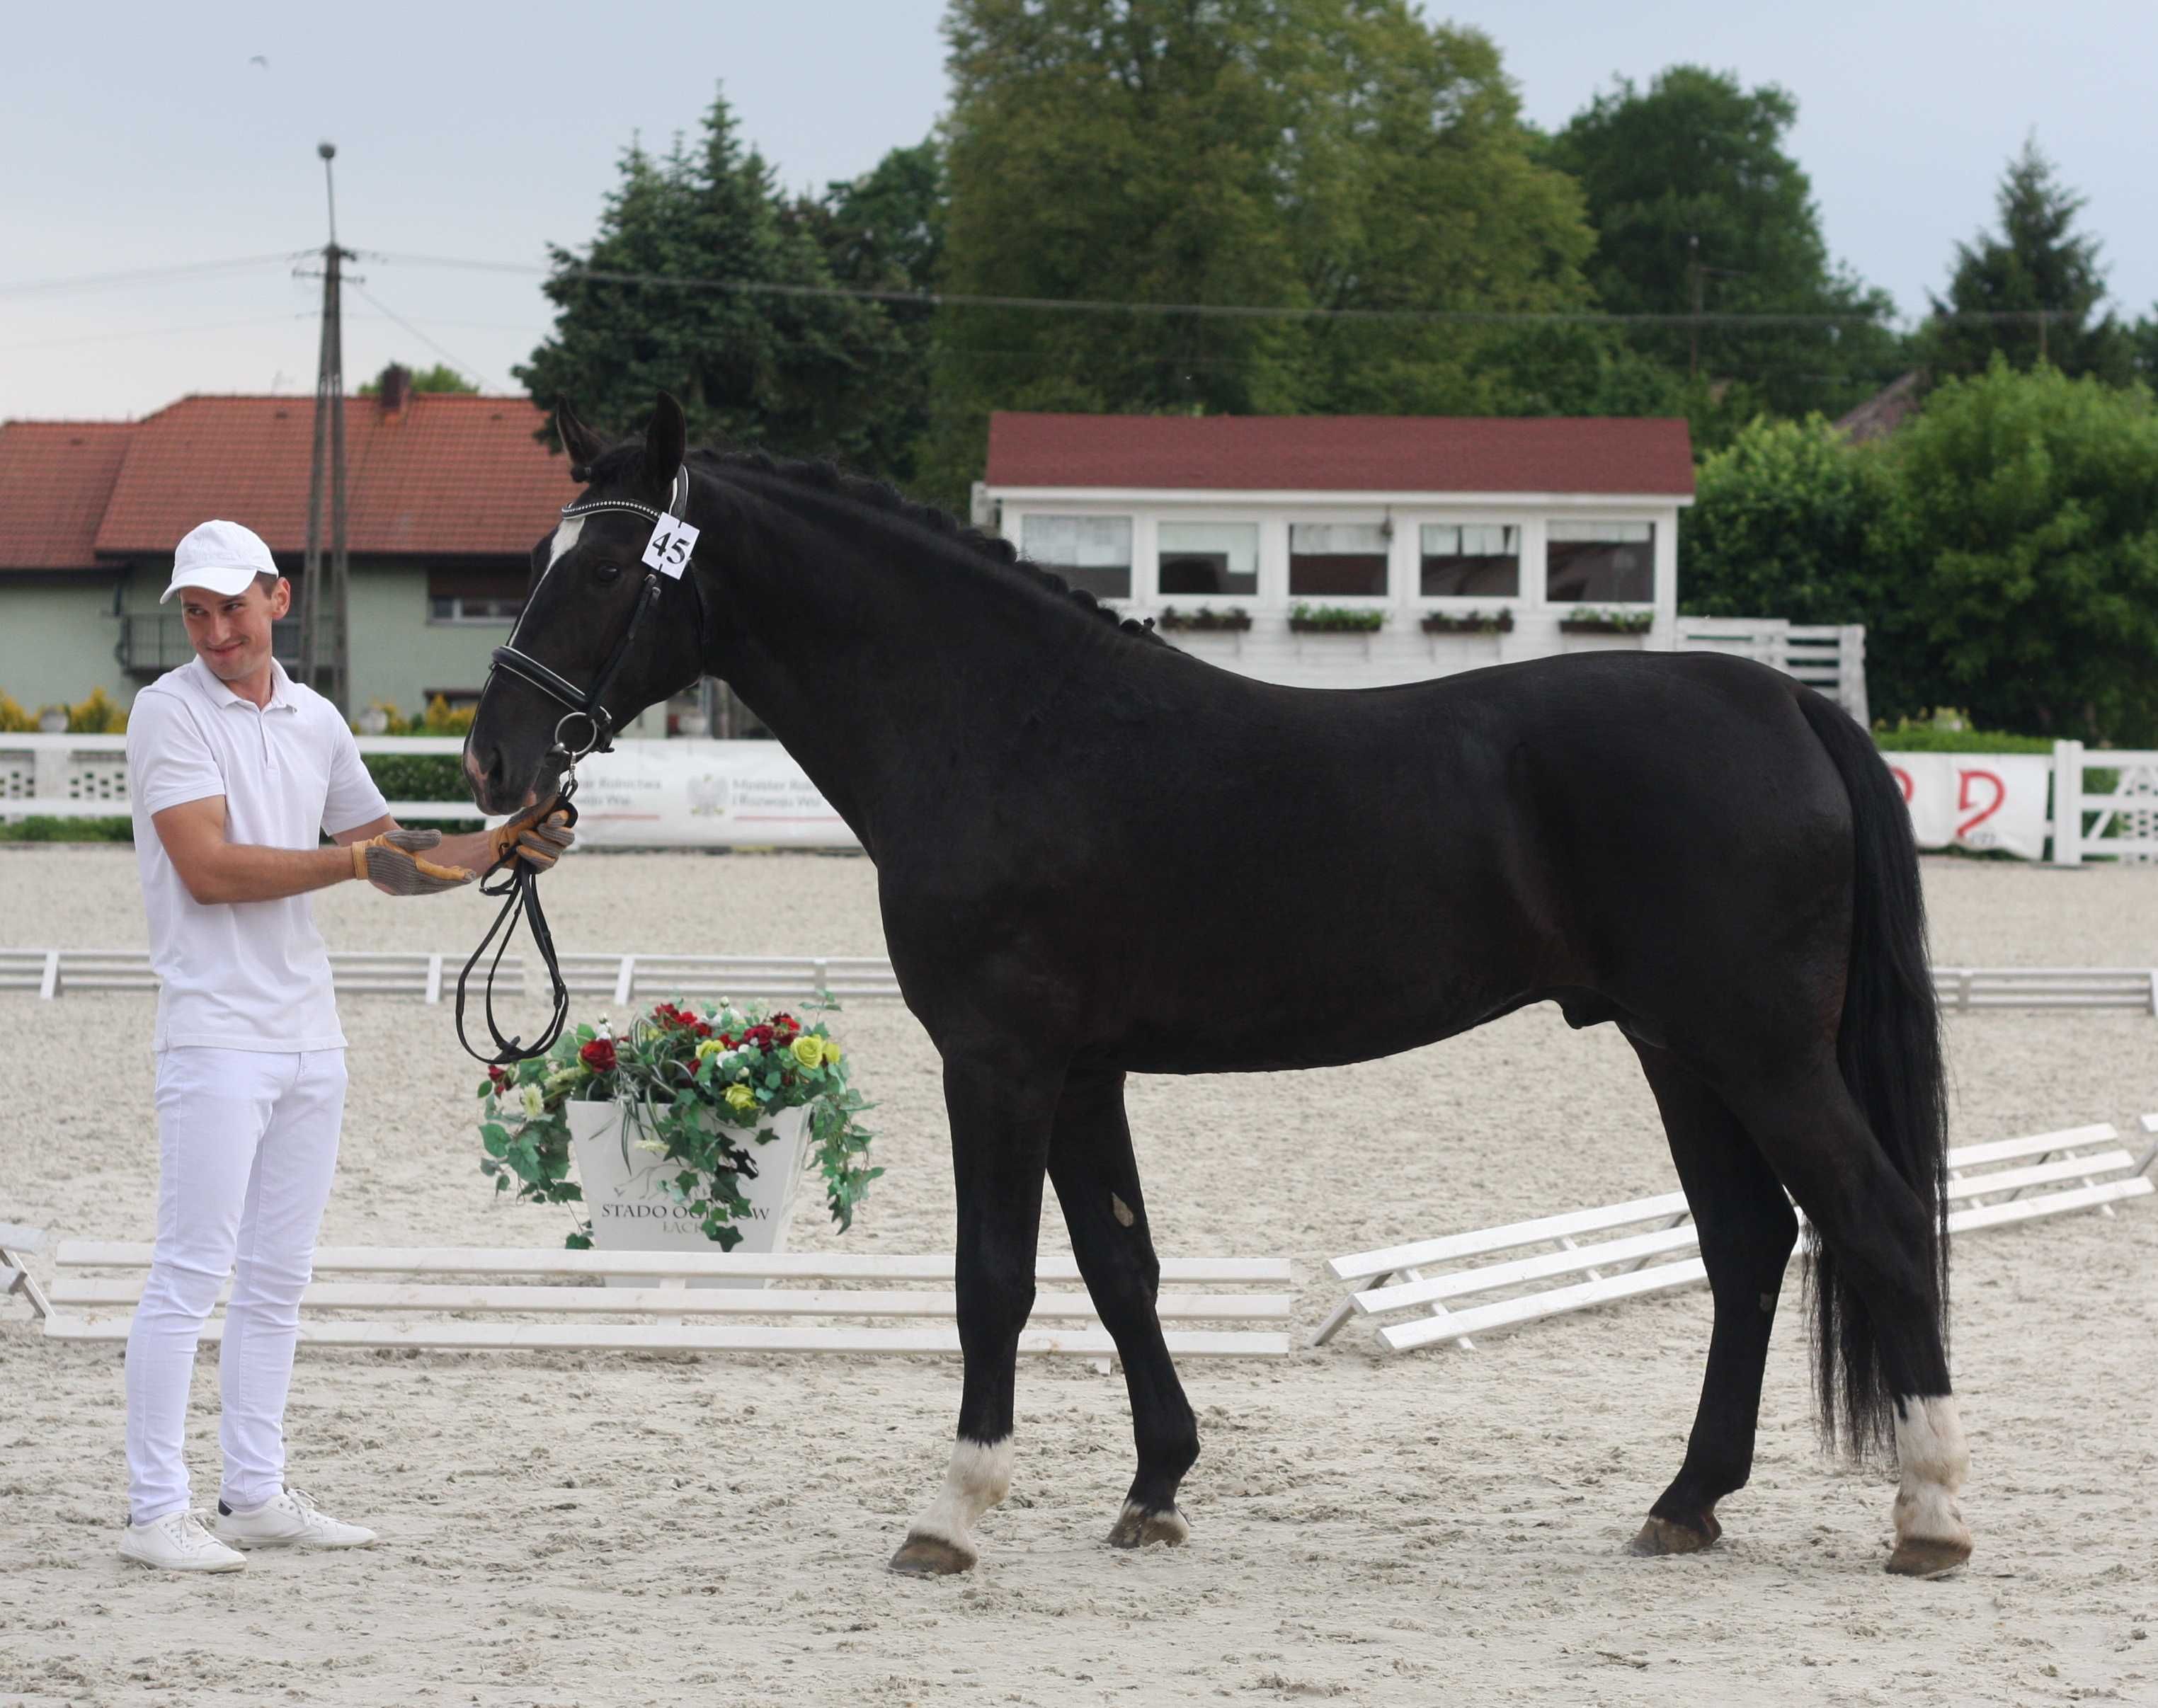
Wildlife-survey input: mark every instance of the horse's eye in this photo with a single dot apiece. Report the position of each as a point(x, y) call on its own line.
point(606, 572)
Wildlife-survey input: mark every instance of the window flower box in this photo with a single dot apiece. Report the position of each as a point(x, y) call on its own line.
point(1203, 620)
point(1607, 622)
point(1334, 620)
point(1469, 622)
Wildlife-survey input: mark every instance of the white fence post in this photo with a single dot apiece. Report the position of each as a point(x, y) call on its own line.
point(2067, 803)
point(1851, 672)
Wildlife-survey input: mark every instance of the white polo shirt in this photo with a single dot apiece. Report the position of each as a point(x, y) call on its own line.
point(241, 975)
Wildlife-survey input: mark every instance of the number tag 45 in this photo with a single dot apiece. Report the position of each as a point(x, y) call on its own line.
point(669, 550)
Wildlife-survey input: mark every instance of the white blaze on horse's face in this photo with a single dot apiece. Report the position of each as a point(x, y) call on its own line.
point(565, 536)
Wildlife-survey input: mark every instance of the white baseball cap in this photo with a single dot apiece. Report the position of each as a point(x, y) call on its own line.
point(222, 557)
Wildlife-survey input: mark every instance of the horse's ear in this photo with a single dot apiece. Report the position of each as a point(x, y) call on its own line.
point(583, 445)
point(666, 442)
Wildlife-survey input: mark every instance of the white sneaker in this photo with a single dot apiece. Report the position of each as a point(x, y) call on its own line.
point(179, 1542)
point(292, 1520)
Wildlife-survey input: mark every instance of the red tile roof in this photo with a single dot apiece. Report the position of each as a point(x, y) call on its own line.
point(445, 476)
point(55, 477)
point(1342, 453)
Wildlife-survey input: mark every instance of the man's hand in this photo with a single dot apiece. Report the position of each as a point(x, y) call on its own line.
point(538, 836)
point(391, 862)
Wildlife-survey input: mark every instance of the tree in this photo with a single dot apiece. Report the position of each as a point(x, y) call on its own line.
point(2037, 262)
point(1781, 526)
point(884, 232)
point(1291, 154)
point(1698, 206)
point(757, 358)
point(2025, 529)
point(441, 377)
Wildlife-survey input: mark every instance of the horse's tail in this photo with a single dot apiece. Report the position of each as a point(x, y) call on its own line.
point(1889, 1048)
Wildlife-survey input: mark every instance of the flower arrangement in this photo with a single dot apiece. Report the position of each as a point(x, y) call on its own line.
point(1205, 620)
point(1586, 620)
point(1334, 619)
point(699, 1089)
point(1469, 622)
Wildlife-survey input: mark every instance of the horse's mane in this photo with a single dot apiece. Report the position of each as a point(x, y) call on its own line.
point(620, 464)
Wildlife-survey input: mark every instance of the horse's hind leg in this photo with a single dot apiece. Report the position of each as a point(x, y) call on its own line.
point(1748, 1229)
point(1000, 1126)
point(1096, 1181)
point(1883, 1344)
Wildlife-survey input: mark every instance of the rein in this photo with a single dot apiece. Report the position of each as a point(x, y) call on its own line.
point(519, 886)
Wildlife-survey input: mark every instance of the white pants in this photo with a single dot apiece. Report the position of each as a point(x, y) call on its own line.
point(247, 1142)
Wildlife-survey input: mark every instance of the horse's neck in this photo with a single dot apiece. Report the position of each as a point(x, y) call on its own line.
point(886, 669)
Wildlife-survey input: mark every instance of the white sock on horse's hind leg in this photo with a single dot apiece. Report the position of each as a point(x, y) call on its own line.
point(1934, 1461)
point(979, 1477)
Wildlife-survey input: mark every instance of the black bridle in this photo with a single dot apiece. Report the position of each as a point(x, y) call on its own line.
point(519, 883)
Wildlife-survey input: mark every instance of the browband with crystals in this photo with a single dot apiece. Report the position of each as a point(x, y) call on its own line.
point(675, 501)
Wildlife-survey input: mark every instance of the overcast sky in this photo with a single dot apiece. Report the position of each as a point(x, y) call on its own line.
point(143, 136)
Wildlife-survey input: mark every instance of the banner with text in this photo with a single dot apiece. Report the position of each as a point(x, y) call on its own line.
point(1976, 801)
point(751, 794)
point(703, 794)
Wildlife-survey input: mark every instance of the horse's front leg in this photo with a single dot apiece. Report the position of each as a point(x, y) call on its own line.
point(1001, 1118)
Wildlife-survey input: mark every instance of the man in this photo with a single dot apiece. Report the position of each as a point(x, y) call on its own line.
point(236, 771)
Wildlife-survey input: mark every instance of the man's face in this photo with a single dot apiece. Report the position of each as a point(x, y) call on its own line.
point(231, 632)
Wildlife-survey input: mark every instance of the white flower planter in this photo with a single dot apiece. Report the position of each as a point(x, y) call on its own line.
point(626, 1193)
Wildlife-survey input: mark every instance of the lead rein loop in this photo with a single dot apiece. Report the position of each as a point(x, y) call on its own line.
point(520, 889)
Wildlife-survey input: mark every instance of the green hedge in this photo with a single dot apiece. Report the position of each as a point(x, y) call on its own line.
point(38, 828)
point(1924, 738)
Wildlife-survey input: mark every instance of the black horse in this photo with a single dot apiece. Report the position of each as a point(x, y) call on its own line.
point(1098, 856)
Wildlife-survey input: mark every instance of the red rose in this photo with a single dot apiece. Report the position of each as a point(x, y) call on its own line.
point(729, 1039)
point(701, 1029)
point(785, 1026)
point(495, 1073)
point(598, 1056)
point(759, 1036)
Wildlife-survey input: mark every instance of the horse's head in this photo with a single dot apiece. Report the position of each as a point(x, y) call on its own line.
point(602, 636)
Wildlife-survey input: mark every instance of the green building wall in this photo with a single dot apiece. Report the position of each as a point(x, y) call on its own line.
point(56, 641)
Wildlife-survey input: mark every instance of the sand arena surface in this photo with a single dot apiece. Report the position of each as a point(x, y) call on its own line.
point(1366, 1529)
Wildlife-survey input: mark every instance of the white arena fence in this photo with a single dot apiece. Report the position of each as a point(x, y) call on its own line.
point(751, 794)
point(487, 1298)
point(1450, 1289)
point(627, 979)
point(1829, 656)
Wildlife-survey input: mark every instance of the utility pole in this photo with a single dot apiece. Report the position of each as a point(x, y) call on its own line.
point(327, 469)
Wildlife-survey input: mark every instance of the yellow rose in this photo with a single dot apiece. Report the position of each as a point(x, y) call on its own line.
point(831, 1049)
point(710, 1048)
point(808, 1050)
point(740, 1097)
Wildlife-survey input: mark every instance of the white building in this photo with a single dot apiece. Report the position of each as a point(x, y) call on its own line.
point(1469, 541)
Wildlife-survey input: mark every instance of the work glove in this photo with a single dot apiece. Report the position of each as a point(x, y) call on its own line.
point(538, 836)
point(392, 861)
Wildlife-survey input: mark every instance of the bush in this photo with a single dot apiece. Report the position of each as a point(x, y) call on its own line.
point(13, 720)
point(41, 828)
point(422, 777)
point(96, 716)
point(1948, 732)
point(2024, 523)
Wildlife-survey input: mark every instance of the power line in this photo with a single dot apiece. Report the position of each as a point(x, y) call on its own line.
point(1084, 305)
point(88, 281)
point(455, 361)
point(153, 331)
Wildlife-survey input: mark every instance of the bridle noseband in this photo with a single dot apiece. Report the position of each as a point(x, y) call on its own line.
point(520, 886)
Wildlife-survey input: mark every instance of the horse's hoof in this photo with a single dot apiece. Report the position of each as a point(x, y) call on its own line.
point(1136, 1527)
point(1663, 1535)
point(1928, 1556)
point(931, 1556)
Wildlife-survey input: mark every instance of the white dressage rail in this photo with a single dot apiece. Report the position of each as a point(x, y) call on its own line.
point(2009, 1180)
point(620, 978)
point(625, 978)
point(426, 1307)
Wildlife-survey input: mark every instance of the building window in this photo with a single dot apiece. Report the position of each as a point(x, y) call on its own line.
point(1601, 562)
point(1093, 552)
point(476, 595)
point(1470, 560)
point(1209, 557)
point(1336, 558)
